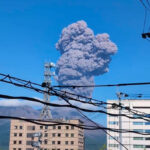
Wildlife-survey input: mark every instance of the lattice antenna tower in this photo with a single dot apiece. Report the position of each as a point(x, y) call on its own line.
point(46, 112)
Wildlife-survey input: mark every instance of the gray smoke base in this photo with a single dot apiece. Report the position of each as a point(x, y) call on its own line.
point(83, 56)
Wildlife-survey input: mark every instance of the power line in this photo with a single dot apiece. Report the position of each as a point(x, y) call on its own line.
point(57, 105)
point(148, 3)
point(102, 85)
point(144, 5)
point(70, 106)
point(87, 118)
point(113, 105)
point(8, 117)
point(29, 85)
point(55, 123)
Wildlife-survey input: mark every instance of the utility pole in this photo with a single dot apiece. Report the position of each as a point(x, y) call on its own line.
point(46, 113)
point(119, 94)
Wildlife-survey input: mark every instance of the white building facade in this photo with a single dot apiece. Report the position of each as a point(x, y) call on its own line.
point(131, 141)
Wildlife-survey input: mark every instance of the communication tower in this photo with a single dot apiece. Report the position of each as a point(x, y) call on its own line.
point(46, 112)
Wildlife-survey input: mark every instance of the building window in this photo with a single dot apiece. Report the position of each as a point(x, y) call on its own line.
point(29, 142)
point(46, 127)
point(53, 135)
point(66, 142)
point(21, 127)
point(41, 127)
point(72, 127)
point(59, 127)
point(20, 134)
point(67, 127)
point(15, 134)
point(138, 146)
point(29, 135)
point(138, 123)
point(19, 148)
point(20, 142)
point(59, 135)
point(46, 135)
point(31, 128)
point(147, 146)
point(72, 135)
point(45, 141)
point(15, 142)
point(147, 123)
point(147, 115)
point(54, 127)
point(58, 142)
point(72, 142)
point(113, 122)
point(147, 138)
point(138, 130)
point(15, 127)
point(138, 138)
point(14, 148)
point(67, 134)
point(136, 116)
point(147, 131)
point(53, 142)
point(113, 145)
point(112, 138)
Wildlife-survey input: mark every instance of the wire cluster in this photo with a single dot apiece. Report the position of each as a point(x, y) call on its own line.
point(70, 100)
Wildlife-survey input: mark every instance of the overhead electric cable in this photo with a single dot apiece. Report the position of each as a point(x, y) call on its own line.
point(5, 76)
point(53, 123)
point(97, 125)
point(28, 84)
point(148, 3)
point(57, 105)
point(113, 105)
point(87, 118)
point(70, 106)
point(102, 85)
point(144, 5)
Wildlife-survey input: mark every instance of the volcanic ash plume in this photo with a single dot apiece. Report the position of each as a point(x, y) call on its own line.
point(83, 56)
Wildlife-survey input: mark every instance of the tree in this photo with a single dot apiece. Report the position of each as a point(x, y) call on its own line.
point(104, 147)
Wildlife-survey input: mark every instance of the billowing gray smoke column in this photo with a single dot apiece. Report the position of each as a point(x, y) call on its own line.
point(83, 56)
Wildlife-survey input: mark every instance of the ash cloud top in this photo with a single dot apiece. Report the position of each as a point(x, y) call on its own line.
point(83, 56)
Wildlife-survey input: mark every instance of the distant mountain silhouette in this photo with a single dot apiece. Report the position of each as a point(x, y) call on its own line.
point(93, 139)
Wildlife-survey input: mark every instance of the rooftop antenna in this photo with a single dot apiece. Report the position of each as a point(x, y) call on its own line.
point(46, 113)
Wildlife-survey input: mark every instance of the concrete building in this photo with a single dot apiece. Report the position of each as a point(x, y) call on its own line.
point(131, 140)
point(23, 135)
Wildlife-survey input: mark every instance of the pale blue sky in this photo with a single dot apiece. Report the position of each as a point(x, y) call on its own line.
point(30, 29)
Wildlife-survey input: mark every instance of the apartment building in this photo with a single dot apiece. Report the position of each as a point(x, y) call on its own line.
point(29, 136)
point(131, 141)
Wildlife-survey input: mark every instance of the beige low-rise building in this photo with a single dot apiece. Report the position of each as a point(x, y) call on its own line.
point(26, 135)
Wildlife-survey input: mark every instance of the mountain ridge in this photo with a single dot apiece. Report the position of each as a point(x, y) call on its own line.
point(93, 139)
